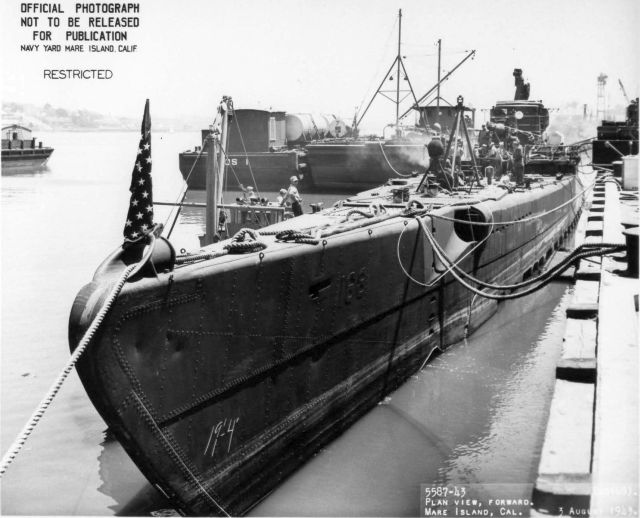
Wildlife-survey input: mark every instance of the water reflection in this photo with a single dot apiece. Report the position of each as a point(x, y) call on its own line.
point(123, 482)
point(474, 415)
point(25, 171)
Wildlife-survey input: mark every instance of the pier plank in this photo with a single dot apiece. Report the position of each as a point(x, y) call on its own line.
point(584, 303)
point(578, 361)
point(594, 228)
point(615, 459)
point(612, 228)
point(589, 269)
point(564, 472)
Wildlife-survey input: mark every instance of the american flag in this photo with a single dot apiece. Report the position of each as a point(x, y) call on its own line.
point(140, 216)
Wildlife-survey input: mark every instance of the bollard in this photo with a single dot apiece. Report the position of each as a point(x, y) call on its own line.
point(631, 236)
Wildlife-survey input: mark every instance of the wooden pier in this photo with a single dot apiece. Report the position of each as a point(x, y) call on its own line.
point(589, 460)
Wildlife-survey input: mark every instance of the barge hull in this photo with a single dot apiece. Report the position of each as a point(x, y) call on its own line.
point(18, 159)
point(266, 171)
point(361, 166)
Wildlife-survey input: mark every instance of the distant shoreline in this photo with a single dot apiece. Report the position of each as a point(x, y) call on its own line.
point(108, 130)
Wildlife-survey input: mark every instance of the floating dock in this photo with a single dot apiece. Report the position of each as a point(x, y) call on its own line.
point(589, 460)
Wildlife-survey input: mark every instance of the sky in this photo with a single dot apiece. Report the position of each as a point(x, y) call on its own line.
point(329, 56)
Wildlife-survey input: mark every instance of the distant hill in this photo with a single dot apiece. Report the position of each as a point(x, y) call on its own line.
point(50, 118)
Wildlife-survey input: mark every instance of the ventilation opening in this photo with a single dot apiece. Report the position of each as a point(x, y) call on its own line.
point(469, 224)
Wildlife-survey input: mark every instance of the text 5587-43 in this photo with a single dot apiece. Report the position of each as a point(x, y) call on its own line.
point(444, 491)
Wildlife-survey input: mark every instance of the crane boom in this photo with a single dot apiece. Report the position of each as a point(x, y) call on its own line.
point(626, 97)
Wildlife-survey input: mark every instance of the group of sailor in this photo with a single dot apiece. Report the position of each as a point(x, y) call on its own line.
point(502, 160)
point(499, 160)
point(289, 198)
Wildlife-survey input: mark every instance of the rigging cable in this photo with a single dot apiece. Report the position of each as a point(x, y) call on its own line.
point(492, 223)
point(151, 420)
point(582, 252)
point(523, 220)
point(406, 175)
point(182, 196)
point(605, 248)
point(450, 267)
point(246, 157)
point(379, 67)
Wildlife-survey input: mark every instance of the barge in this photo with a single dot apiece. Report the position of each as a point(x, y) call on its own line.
point(258, 154)
point(21, 151)
point(616, 139)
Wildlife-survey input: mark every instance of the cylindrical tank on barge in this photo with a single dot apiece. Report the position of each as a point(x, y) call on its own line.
point(321, 125)
point(300, 127)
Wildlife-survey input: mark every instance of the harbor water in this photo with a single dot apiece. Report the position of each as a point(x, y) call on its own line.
point(473, 416)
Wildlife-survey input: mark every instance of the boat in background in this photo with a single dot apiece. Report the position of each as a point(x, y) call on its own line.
point(21, 151)
point(356, 163)
point(521, 118)
point(326, 153)
point(616, 139)
point(222, 370)
point(526, 121)
point(264, 150)
point(226, 219)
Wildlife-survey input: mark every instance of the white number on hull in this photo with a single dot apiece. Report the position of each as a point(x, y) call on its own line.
point(219, 430)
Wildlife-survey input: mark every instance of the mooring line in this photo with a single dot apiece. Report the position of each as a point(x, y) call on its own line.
point(18, 443)
point(177, 455)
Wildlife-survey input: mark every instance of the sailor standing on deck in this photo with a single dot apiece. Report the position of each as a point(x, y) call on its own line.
point(293, 197)
point(249, 195)
point(518, 163)
point(495, 160)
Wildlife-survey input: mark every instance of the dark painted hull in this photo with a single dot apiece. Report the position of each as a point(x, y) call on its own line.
point(603, 155)
point(221, 377)
point(356, 166)
point(266, 171)
point(17, 159)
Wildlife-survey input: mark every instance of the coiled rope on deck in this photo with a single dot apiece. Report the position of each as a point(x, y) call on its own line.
point(57, 384)
point(296, 237)
point(182, 196)
point(245, 241)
